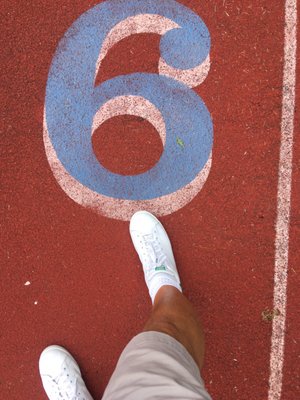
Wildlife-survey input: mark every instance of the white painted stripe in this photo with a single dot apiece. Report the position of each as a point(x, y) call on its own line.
point(191, 77)
point(284, 201)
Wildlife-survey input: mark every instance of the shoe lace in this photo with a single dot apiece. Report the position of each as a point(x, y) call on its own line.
point(154, 254)
point(64, 388)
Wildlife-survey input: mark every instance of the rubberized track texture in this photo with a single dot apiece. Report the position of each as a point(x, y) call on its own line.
point(69, 274)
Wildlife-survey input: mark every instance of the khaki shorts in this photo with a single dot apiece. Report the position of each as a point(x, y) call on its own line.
point(155, 366)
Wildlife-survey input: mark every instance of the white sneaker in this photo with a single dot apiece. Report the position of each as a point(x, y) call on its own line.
point(61, 375)
point(153, 246)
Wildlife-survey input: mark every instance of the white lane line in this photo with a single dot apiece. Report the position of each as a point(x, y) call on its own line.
point(284, 200)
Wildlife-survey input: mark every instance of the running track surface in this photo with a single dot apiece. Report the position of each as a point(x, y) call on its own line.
point(86, 288)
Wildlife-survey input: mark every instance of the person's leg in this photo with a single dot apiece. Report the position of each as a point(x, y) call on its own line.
point(164, 360)
point(174, 315)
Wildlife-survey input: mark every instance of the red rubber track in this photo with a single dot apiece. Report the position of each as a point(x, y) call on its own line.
point(84, 273)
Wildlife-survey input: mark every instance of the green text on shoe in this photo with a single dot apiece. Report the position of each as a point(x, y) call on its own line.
point(161, 268)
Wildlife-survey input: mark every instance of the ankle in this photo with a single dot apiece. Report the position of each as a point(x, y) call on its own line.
point(160, 281)
point(167, 293)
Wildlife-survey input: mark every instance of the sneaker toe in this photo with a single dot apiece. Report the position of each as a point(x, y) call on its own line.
point(52, 360)
point(143, 222)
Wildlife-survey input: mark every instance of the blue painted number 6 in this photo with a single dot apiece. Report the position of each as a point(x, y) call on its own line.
point(75, 107)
